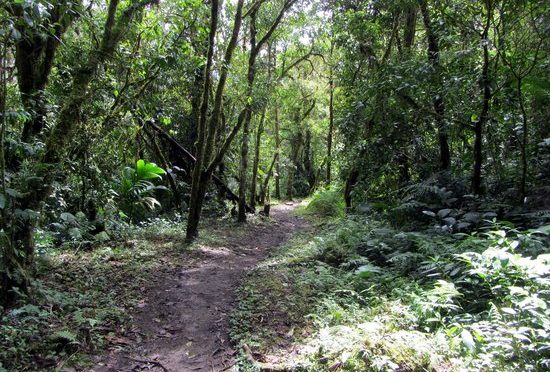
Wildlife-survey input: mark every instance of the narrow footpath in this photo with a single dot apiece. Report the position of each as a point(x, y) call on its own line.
point(182, 324)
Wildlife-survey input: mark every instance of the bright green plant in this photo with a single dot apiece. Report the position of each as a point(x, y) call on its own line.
point(136, 190)
point(327, 202)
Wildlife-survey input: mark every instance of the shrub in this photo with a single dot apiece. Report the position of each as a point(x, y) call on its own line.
point(328, 202)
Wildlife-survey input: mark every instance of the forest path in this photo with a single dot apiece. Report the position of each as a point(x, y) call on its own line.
point(183, 322)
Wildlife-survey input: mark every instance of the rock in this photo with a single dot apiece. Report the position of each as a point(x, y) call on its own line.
point(489, 215)
point(472, 217)
point(364, 208)
point(429, 213)
point(462, 226)
point(449, 221)
point(444, 213)
point(102, 237)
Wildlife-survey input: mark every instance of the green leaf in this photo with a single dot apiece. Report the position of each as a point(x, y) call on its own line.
point(147, 171)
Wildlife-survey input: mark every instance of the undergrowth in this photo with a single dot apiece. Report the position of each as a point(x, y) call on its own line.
point(365, 296)
point(82, 299)
point(325, 203)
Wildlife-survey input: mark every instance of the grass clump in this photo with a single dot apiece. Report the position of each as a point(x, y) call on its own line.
point(326, 203)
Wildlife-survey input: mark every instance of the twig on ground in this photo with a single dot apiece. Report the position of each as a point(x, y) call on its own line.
point(153, 362)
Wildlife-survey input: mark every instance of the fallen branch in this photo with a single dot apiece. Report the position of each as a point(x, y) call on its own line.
point(230, 195)
point(153, 362)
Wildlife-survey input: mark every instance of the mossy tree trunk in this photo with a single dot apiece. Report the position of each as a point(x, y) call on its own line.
point(21, 223)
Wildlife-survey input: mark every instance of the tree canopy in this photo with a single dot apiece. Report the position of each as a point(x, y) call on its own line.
point(117, 112)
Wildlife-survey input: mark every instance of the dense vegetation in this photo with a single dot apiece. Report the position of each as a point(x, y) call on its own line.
point(418, 129)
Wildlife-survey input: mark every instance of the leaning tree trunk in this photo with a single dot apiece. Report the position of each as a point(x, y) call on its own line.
point(198, 179)
point(264, 195)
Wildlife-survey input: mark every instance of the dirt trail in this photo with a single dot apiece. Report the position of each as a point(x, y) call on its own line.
point(183, 323)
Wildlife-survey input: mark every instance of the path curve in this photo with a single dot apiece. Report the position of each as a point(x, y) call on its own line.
point(183, 323)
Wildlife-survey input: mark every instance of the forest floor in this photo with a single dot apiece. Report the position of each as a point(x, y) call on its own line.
point(182, 322)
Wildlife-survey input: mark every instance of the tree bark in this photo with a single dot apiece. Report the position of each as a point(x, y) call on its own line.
point(265, 187)
point(524, 142)
point(486, 97)
point(255, 48)
point(206, 161)
point(198, 179)
point(438, 103)
point(248, 116)
point(255, 165)
point(330, 114)
point(34, 55)
point(350, 183)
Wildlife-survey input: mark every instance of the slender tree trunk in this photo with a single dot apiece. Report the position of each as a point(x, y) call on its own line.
point(248, 116)
point(486, 97)
point(265, 187)
point(253, 187)
point(350, 183)
point(330, 114)
point(438, 103)
point(277, 149)
point(199, 180)
point(258, 137)
point(524, 142)
point(308, 160)
point(206, 161)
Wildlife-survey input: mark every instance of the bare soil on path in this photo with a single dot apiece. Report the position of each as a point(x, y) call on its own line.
point(183, 322)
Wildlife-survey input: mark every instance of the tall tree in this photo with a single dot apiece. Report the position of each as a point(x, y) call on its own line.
point(41, 30)
point(438, 102)
point(206, 162)
point(255, 48)
point(486, 95)
point(20, 245)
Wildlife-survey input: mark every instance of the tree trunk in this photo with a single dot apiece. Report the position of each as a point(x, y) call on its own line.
point(69, 115)
point(330, 114)
point(350, 183)
point(524, 143)
point(308, 160)
point(199, 179)
point(206, 162)
point(248, 117)
point(439, 105)
point(277, 149)
point(265, 188)
point(486, 97)
point(253, 187)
